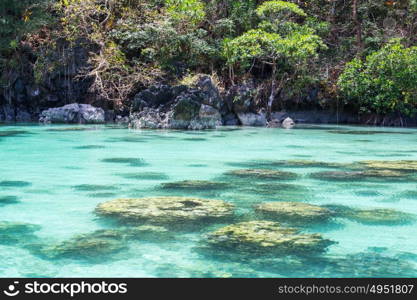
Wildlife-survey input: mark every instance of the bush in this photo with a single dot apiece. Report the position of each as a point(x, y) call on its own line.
point(386, 82)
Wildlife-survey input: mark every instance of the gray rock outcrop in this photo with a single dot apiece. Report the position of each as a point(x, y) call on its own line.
point(73, 113)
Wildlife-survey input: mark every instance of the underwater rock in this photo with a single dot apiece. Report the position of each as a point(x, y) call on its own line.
point(276, 191)
point(359, 175)
point(145, 176)
point(396, 165)
point(262, 174)
point(250, 164)
point(295, 212)
point(69, 129)
point(9, 133)
point(375, 216)
point(94, 187)
point(195, 185)
point(102, 195)
point(17, 227)
point(371, 264)
point(409, 195)
point(367, 193)
point(150, 233)
point(301, 163)
point(197, 165)
point(166, 210)
point(364, 132)
point(134, 162)
point(87, 147)
point(93, 245)
point(379, 216)
point(194, 139)
point(130, 139)
point(8, 200)
point(14, 183)
point(357, 265)
point(274, 188)
point(16, 232)
point(264, 237)
point(292, 163)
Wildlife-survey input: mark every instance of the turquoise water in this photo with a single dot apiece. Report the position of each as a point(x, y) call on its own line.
point(41, 167)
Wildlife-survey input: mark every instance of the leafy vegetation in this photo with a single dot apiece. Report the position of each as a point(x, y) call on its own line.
point(385, 82)
point(287, 53)
point(341, 49)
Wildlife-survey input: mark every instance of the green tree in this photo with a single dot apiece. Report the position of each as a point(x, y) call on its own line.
point(18, 18)
point(192, 11)
point(286, 51)
point(386, 82)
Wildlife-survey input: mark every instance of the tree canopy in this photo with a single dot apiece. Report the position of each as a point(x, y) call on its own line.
point(287, 47)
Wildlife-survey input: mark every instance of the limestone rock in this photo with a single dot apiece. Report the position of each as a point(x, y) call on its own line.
point(288, 123)
point(264, 237)
point(295, 212)
point(166, 210)
point(73, 113)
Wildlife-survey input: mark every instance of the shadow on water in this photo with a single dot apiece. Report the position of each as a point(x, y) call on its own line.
point(94, 187)
point(14, 133)
point(88, 147)
point(144, 176)
point(102, 195)
point(131, 161)
point(365, 132)
point(14, 184)
point(364, 264)
point(5, 200)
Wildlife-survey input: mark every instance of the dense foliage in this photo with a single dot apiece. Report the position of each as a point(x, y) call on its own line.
point(385, 82)
point(288, 48)
point(18, 18)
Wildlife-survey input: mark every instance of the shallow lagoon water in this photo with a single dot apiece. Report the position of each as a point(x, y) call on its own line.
point(57, 177)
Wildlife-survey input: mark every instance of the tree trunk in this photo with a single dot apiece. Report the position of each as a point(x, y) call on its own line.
point(273, 91)
point(358, 27)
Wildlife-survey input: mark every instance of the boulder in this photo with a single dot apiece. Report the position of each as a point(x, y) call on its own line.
point(274, 123)
point(252, 119)
point(210, 114)
point(288, 123)
point(194, 107)
point(149, 118)
point(240, 98)
point(211, 94)
point(73, 113)
point(23, 116)
point(8, 113)
point(186, 109)
point(156, 96)
point(122, 120)
point(230, 120)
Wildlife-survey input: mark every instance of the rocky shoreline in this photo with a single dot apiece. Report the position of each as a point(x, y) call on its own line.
point(197, 106)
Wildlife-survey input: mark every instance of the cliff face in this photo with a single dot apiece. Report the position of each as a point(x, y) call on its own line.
point(111, 54)
point(34, 88)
